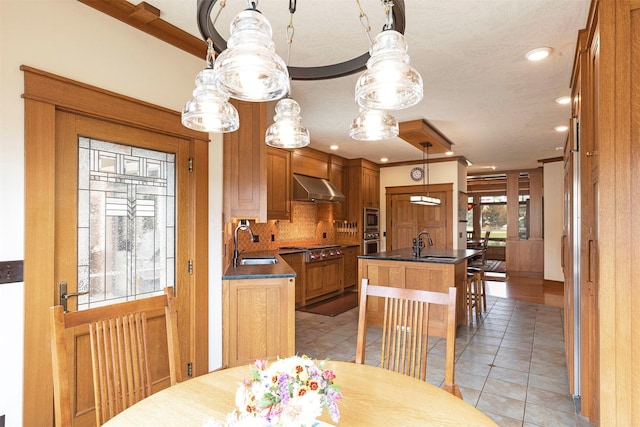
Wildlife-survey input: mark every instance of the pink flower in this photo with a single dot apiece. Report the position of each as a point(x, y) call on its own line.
point(328, 375)
point(261, 364)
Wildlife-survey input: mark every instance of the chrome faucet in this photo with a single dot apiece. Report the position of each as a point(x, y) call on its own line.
point(418, 243)
point(243, 224)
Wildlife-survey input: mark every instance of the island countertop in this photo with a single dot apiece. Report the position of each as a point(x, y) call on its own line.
point(438, 256)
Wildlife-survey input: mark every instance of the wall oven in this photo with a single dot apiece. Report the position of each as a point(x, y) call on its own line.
point(371, 220)
point(371, 232)
point(370, 246)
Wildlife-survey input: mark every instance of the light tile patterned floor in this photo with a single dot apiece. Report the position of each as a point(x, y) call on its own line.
point(510, 363)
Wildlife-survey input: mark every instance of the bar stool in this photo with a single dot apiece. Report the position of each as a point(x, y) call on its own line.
point(481, 296)
point(472, 297)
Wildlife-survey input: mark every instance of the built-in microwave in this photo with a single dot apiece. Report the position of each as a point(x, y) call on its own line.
point(371, 220)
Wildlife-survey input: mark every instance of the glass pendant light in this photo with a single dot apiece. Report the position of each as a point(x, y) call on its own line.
point(249, 69)
point(287, 131)
point(373, 125)
point(209, 110)
point(389, 83)
point(425, 199)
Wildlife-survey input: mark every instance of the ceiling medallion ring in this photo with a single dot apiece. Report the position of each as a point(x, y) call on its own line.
point(322, 72)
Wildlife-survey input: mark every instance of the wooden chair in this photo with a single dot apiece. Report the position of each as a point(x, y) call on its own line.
point(480, 288)
point(404, 330)
point(472, 297)
point(119, 354)
point(481, 259)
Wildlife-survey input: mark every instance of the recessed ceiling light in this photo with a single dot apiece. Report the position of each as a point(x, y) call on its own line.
point(449, 153)
point(384, 159)
point(334, 147)
point(562, 128)
point(538, 53)
point(563, 100)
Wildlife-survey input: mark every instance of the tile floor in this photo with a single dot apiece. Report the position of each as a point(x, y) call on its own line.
point(510, 363)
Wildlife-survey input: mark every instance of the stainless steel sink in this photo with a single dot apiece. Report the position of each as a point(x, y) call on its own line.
point(258, 260)
point(438, 257)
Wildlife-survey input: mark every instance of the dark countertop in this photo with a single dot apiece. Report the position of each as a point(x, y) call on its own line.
point(264, 271)
point(437, 256)
point(281, 269)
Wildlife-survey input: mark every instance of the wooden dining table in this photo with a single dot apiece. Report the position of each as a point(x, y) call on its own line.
point(372, 396)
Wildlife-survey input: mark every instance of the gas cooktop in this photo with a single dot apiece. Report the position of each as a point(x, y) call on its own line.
point(317, 252)
point(310, 247)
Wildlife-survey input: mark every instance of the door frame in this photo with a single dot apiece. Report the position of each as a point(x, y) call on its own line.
point(44, 94)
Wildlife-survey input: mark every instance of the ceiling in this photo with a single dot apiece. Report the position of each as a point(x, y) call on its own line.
point(497, 108)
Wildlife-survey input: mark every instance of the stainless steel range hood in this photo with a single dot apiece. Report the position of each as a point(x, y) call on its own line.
point(310, 189)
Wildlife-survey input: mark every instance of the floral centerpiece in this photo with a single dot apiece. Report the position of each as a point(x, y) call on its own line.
point(291, 392)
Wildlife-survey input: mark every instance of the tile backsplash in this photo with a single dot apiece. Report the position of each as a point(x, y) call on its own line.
point(303, 229)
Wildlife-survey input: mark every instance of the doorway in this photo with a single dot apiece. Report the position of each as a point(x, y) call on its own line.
point(58, 114)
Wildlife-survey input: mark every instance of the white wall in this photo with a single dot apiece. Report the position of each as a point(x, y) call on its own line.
point(67, 38)
point(439, 173)
point(553, 220)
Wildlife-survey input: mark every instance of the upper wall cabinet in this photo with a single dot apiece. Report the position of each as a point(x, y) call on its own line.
point(278, 184)
point(307, 161)
point(245, 165)
point(364, 188)
point(338, 175)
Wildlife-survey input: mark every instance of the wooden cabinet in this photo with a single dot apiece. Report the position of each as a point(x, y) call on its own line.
point(310, 162)
point(370, 188)
point(278, 184)
point(350, 265)
point(258, 320)
point(606, 107)
point(338, 176)
point(364, 190)
point(297, 263)
point(322, 278)
point(245, 165)
point(406, 273)
point(364, 187)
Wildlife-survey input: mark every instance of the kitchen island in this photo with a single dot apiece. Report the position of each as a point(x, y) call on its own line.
point(435, 270)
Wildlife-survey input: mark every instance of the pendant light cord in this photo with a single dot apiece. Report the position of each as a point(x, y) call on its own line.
point(364, 20)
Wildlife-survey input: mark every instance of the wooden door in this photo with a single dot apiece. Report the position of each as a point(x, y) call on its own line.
point(53, 128)
point(70, 128)
point(433, 219)
point(408, 219)
point(404, 226)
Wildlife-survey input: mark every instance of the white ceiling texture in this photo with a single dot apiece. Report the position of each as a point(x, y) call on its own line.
point(497, 108)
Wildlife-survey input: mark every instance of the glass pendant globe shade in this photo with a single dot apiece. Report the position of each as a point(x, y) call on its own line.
point(373, 125)
point(249, 69)
point(389, 83)
point(287, 131)
point(209, 110)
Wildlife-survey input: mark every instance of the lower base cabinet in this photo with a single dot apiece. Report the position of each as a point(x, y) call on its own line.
point(297, 263)
point(323, 277)
point(351, 265)
point(258, 320)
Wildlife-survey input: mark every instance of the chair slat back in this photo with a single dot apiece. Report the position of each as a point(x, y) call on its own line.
point(404, 342)
point(119, 354)
point(121, 361)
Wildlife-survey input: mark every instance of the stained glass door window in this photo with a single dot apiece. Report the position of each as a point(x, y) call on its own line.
point(126, 222)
